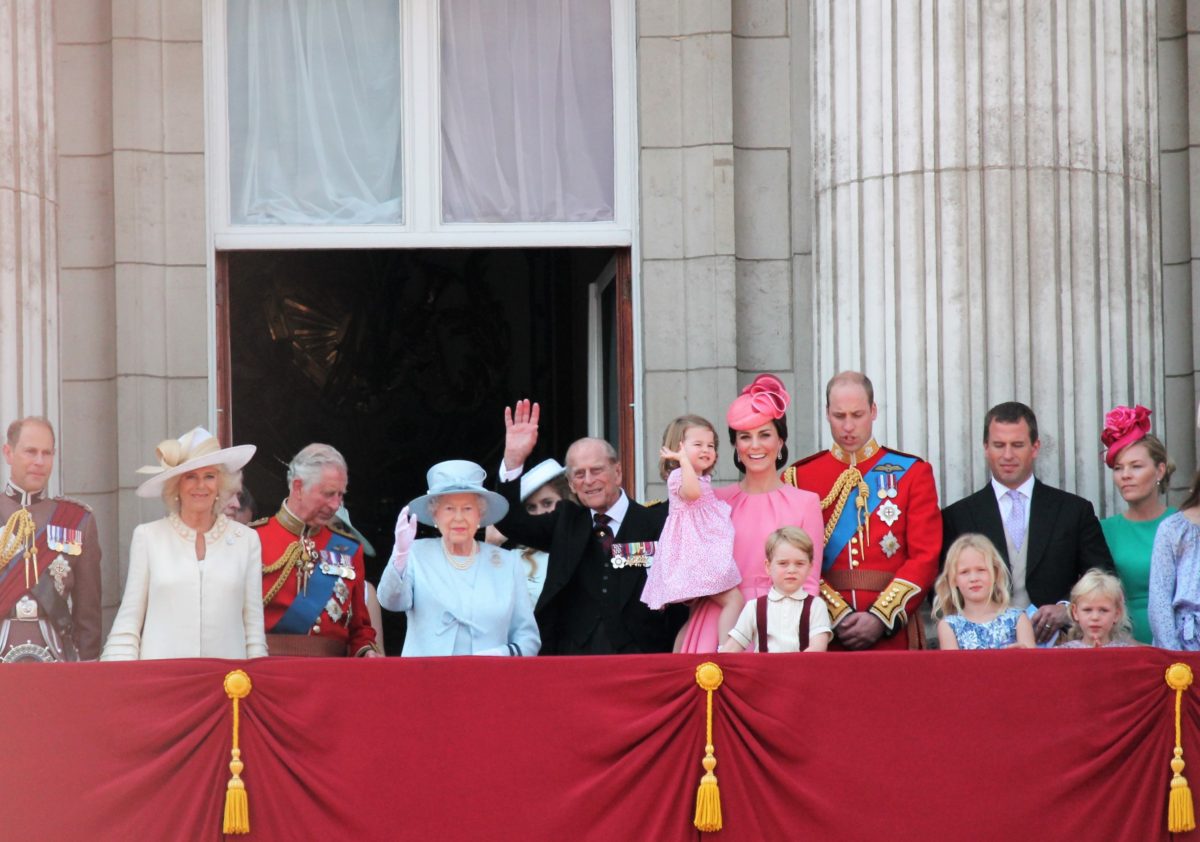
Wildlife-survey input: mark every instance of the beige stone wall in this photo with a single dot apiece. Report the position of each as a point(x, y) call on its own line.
point(88, 426)
point(130, 100)
point(1179, 142)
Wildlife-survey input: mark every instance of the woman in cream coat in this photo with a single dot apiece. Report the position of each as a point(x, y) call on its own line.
point(194, 588)
point(462, 597)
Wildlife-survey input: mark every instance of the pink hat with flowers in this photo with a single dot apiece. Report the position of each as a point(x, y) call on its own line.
point(766, 399)
point(1122, 427)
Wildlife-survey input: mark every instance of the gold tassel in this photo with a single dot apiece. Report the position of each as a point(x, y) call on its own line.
point(708, 797)
point(237, 804)
point(1181, 816)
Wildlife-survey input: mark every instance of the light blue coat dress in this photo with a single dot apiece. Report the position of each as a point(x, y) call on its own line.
point(483, 610)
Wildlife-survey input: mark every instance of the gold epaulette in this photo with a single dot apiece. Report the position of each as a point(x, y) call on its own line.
point(838, 607)
point(73, 502)
point(789, 476)
point(254, 524)
point(650, 503)
point(892, 605)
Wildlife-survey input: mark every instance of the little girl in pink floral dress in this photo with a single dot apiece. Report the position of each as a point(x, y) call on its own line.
point(694, 557)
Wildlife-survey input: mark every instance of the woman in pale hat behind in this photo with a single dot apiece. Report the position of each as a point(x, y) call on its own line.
point(462, 597)
point(194, 588)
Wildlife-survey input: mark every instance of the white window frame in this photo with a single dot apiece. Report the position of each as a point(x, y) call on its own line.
point(423, 226)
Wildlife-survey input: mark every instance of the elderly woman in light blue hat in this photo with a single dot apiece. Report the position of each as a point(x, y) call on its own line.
point(462, 597)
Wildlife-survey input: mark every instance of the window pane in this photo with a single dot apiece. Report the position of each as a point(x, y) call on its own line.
point(527, 111)
point(314, 111)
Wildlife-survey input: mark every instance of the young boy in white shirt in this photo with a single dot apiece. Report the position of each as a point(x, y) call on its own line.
point(787, 619)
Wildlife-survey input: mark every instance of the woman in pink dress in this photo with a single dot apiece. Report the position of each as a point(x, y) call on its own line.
point(760, 502)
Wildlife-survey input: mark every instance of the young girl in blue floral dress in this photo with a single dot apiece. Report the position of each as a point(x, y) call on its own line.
point(970, 600)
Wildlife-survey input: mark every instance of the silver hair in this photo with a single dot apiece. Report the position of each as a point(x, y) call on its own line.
point(308, 464)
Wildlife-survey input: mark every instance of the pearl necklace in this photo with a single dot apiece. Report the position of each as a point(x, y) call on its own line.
point(188, 534)
point(454, 562)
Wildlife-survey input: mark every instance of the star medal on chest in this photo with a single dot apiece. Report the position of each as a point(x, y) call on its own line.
point(633, 554)
point(890, 545)
point(888, 511)
point(59, 568)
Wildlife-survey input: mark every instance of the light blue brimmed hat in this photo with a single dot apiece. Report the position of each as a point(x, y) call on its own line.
point(458, 476)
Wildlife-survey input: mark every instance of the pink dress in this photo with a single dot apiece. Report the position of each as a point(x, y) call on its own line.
point(694, 556)
point(755, 516)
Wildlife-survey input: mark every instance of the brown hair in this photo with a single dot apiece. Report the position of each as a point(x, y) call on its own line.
point(851, 378)
point(673, 437)
point(793, 535)
point(15, 428)
point(1158, 454)
point(1010, 412)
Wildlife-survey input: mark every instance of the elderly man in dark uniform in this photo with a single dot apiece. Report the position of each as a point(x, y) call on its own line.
point(883, 528)
point(313, 576)
point(49, 558)
point(600, 550)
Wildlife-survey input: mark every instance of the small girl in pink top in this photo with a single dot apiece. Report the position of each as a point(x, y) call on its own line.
point(694, 557)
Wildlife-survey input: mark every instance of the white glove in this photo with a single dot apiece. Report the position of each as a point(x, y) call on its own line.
point(406, 533)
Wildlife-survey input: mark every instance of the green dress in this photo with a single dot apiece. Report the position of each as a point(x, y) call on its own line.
point(1131, 544)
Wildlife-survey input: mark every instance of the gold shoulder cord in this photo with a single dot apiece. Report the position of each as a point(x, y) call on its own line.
point(17, 535)
point(287, 562)
point(850, 479)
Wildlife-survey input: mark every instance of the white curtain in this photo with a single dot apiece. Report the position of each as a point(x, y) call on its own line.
point(527, 111)
point(315, 111)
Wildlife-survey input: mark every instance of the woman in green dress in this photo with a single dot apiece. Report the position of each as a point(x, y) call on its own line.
point(1141, 471)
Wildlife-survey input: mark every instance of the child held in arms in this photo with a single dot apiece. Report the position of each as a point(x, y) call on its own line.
point(787, 619)
point(970, 600)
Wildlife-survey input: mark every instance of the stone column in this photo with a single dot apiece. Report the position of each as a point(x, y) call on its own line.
point(688, 279)
point(986, 210)
point(1179, 142)
point(28, 242)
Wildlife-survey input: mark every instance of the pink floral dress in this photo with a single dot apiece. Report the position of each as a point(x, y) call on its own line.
point(694, 556)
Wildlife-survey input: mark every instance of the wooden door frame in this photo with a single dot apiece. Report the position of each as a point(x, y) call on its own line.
point(626, 426)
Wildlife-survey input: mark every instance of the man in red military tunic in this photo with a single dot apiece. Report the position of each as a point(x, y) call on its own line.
point(883, 528)
point(49, 558)
point(313, 574)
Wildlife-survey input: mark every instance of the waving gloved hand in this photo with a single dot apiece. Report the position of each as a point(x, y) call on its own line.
point(406, 533)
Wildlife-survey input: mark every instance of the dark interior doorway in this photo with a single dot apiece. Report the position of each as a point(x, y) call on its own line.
point(401, 359)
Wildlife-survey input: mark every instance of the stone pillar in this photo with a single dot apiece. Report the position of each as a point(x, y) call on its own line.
point(1179, 142)
point(688, 298)
point(986, 209)
point(28, 240)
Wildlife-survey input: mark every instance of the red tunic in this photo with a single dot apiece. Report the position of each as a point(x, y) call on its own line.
point(904, 553)
point(353, 628)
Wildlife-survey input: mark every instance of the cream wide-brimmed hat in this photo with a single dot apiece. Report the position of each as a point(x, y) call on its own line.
point(458, 476)
point(197, 448)
point(539, 475)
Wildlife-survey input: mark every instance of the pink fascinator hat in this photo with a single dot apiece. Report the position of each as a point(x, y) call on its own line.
point(1122, 427)
point(766, 399)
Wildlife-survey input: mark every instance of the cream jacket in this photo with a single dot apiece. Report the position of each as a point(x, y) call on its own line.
point(178, 607)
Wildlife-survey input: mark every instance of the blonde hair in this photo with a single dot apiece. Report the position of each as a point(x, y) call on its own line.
point(1097, 582)
point(673, 437)
point(793, 535)
point(946, 597)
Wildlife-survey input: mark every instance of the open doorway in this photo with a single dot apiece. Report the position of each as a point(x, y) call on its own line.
point(401, 359)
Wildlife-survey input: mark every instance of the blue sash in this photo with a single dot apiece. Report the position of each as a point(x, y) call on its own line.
point(847, 526)
point(306, 608)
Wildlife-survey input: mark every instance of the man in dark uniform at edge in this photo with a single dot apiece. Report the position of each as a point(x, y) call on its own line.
point(49, 558)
